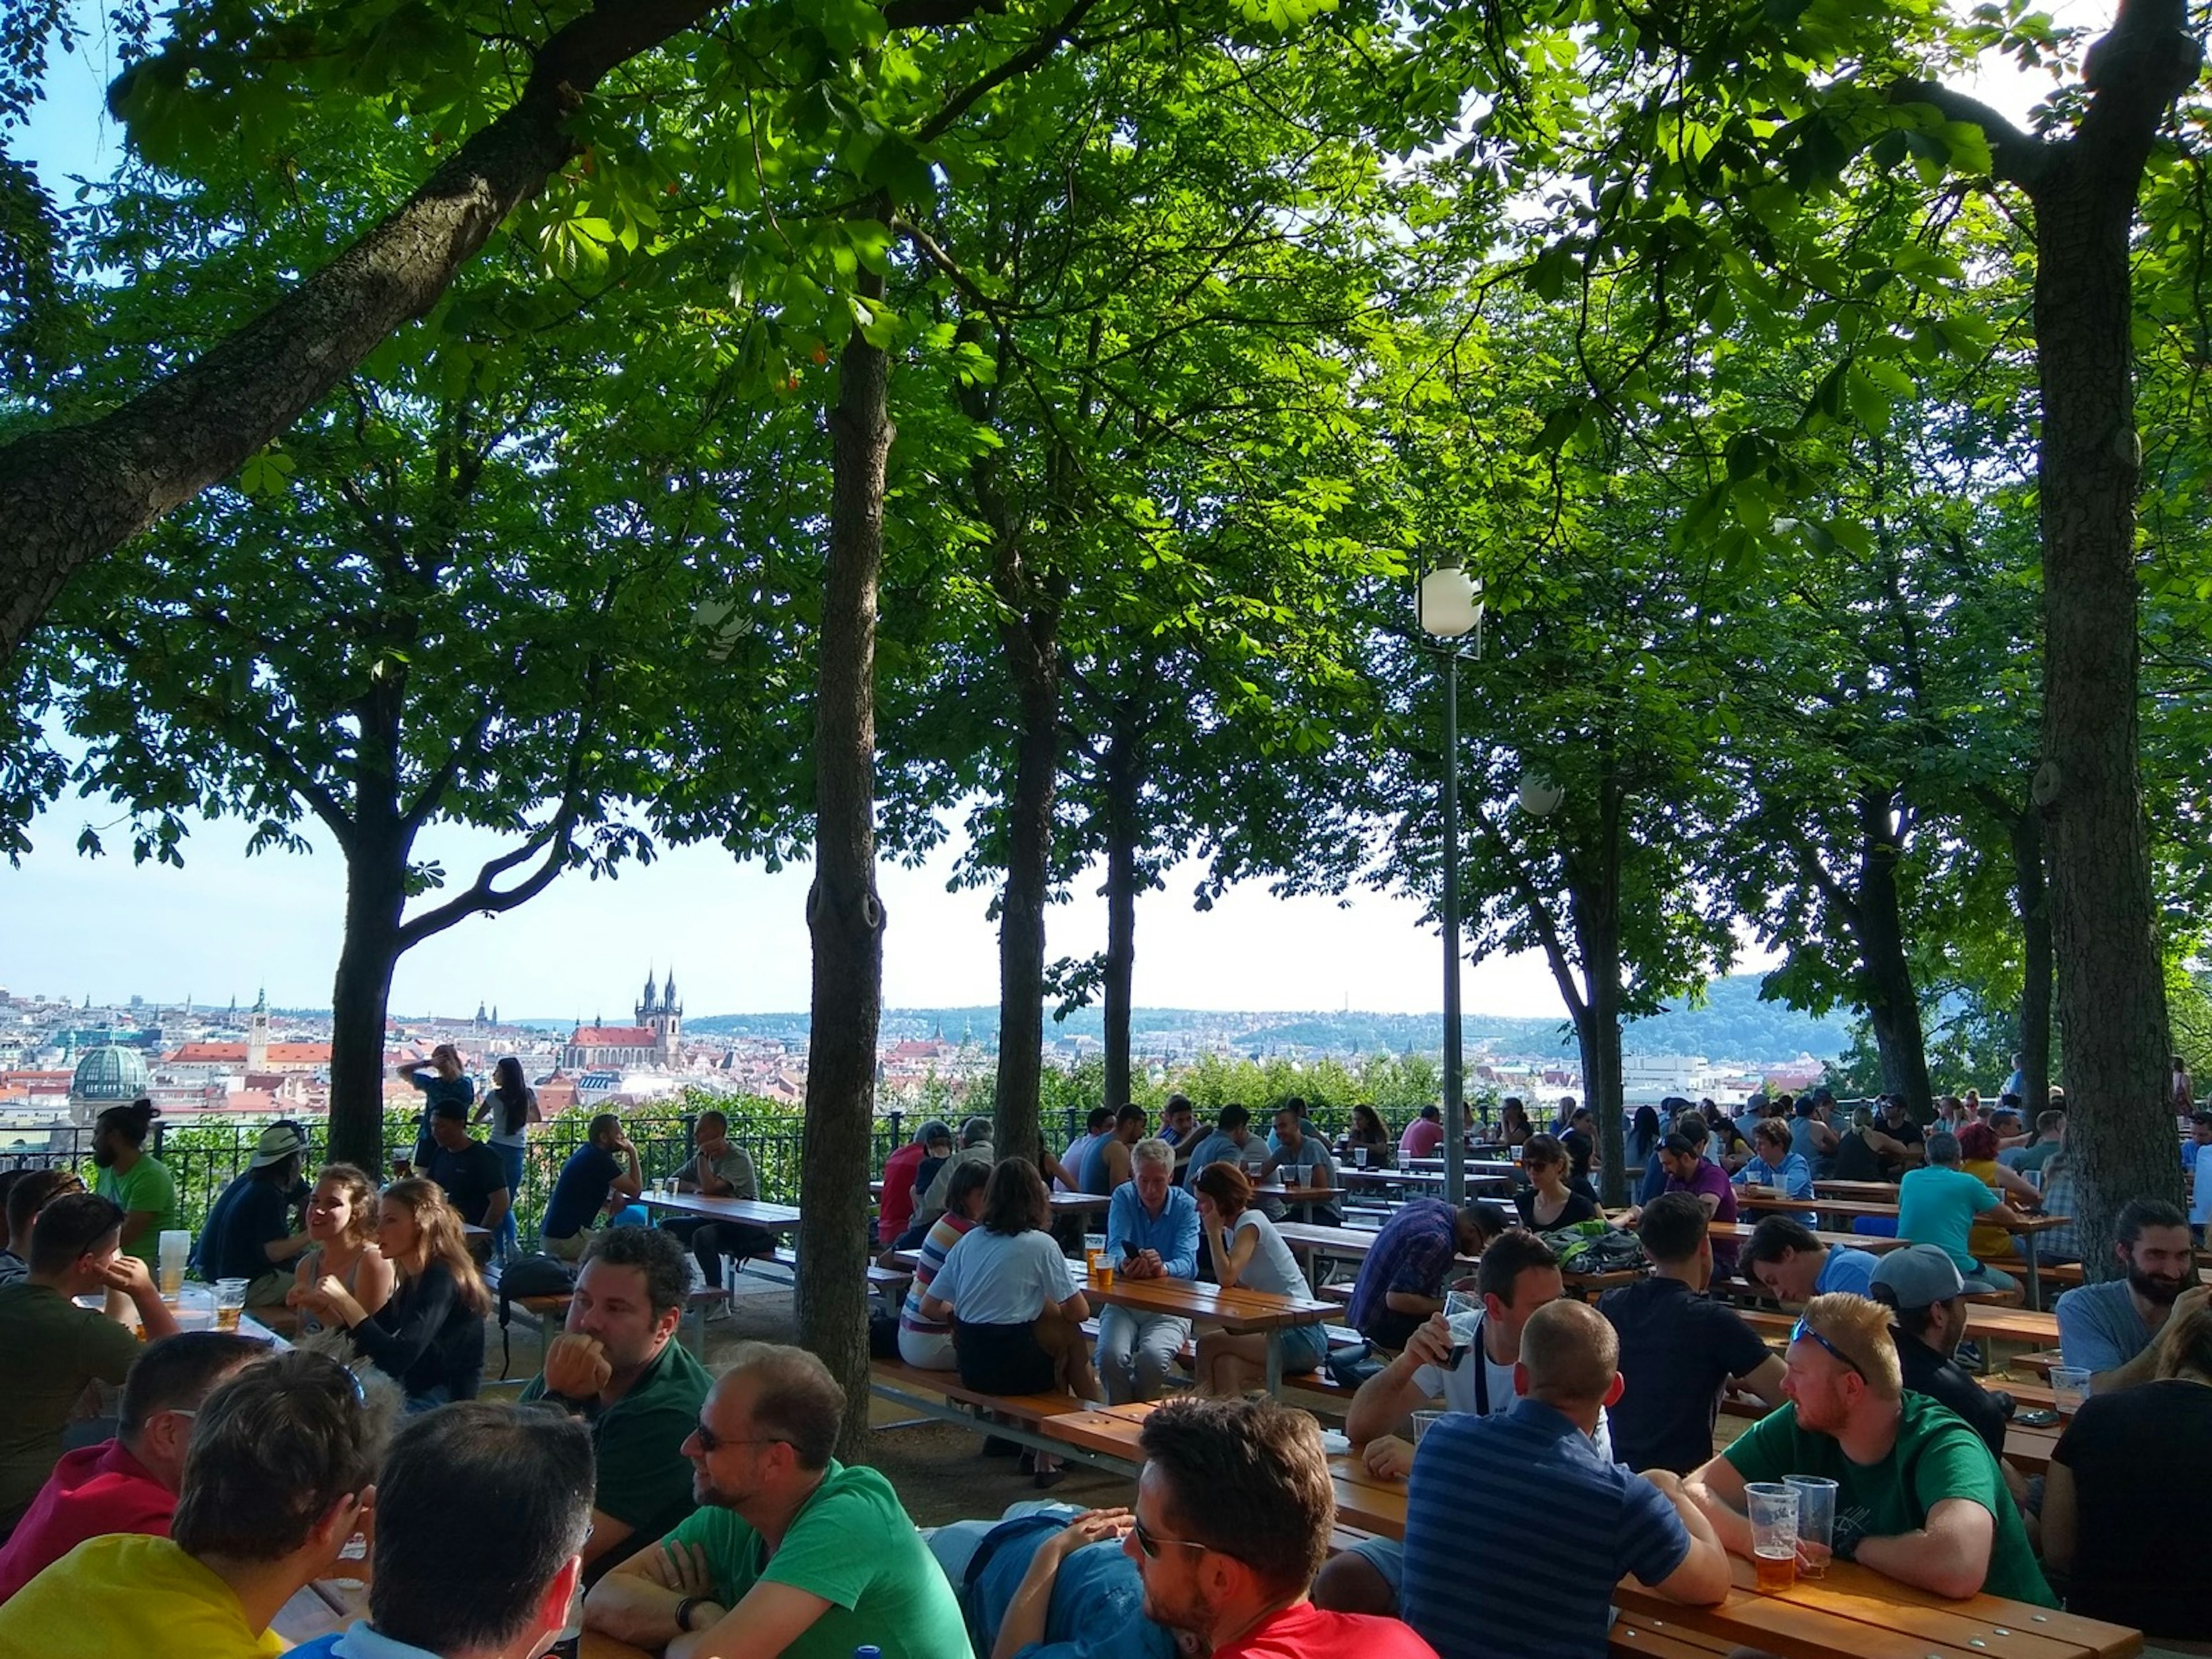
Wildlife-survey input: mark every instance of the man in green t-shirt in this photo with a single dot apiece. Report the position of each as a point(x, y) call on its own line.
point(139, 1186)
point(1918, 1496)
point(790, 1553)
point(618, 1366)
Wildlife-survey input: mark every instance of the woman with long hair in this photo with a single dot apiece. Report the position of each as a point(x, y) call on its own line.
point(1016, 1313)
point(511, 1106)
point(1247, 1251)
point(135, 1184)
point(1513, 1126)
point(342, 1216)
point(1369, 1130)
point(1551, 1202)
point(1644, 1135)
point(430, 1337)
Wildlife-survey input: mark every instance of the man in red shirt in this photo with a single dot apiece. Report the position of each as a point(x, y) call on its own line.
point(1231, 1522)
point(896, 1209)
point(128, 1484)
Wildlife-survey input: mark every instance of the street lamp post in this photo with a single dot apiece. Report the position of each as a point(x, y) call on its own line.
point(1450, 606)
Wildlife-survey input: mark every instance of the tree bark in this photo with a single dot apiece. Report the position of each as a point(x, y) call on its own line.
point(843, 912)
point(2111, 996)
point(2110, 992)
point(2031, 896)
point(1597, 1034)
point(1594, 901)
point(376, 875)
point(1029, 634)
point(1123, 781)
point(1877, 922)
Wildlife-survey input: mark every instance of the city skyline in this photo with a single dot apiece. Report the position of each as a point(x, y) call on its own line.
point(225, 924)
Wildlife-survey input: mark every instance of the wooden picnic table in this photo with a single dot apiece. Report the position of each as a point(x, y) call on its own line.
point(1239, 1312)
point(1103, 1431)
point(1874, 1192)
point(1765, 1198)
point(1489, 1178)
point(1856, 1611)
point(775, 1217)
point(1077, 1203)
point(1878, 1243)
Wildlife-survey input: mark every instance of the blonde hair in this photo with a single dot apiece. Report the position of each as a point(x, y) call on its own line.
point(442, 1237)
point(361, 1200)
point(1859, 1329)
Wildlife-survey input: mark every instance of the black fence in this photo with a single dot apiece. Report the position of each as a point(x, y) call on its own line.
point(203, 1158)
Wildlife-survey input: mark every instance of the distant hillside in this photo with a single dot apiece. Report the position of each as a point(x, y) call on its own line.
point(1732, 1024)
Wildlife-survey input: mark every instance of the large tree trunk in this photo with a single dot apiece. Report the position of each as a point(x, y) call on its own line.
point(2031, 896)
point(69, 494)
point(2112, 997)
point(1594, 898)
point(1124, 764)
point(1029, 634)
point(844, 913)
point(376, 873)
point(1892, 1001)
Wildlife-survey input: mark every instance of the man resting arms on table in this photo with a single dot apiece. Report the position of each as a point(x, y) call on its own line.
point(1919, 1498)
point(791, 1552)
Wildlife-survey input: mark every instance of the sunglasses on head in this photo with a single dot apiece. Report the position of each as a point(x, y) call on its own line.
point(1804, 1332)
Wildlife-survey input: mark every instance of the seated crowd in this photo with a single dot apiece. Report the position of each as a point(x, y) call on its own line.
point(629, 1491)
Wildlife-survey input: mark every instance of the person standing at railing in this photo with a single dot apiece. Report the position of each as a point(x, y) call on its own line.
point(511, 1106)
point(138, 1185)
point(441, 1080)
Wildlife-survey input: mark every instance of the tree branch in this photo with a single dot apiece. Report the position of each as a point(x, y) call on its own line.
point(1019, 64)
point(2016, 157)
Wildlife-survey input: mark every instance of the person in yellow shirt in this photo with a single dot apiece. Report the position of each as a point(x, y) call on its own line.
point(275, 1483)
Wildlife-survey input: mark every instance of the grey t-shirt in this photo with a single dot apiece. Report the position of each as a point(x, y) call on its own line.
point(2098, 1328)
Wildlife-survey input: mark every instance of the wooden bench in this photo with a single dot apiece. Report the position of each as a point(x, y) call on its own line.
point(942, 1397)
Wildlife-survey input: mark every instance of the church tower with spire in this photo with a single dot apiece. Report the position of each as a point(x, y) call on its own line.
point(257, 1035)
point(659, 1012)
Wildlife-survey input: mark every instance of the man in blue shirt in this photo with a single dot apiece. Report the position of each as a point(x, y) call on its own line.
point(1527, 1487)
point(1300, 1160)
point(1231, 1142)
point(1151, 1232)
point(2111, 1329)
point(1786, 1258)
point(579, 1193)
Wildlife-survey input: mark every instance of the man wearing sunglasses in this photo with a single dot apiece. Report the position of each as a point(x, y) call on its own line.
point(1232, 1521)
point(790, 1551)
point(1919, 1498)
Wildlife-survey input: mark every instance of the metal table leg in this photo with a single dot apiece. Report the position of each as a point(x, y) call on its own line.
point(1275, 1364)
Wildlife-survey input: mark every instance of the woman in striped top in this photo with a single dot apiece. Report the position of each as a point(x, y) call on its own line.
point(927, 1343)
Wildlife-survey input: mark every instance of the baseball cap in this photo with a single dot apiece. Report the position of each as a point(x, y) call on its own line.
point(1919, 1276)
point(278, 1142)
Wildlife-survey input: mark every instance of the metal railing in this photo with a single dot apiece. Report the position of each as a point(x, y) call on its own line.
point(203, 1158)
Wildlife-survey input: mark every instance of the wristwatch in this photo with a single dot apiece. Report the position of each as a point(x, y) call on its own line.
point(683, 1611)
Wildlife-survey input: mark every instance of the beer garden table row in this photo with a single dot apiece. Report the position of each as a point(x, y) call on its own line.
point(1851, 1612)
